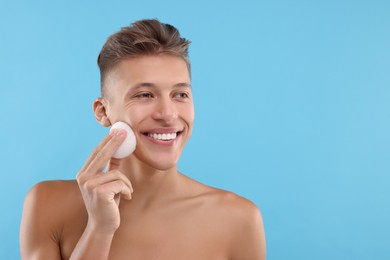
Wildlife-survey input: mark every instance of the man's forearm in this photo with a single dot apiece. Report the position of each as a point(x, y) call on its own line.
point(93, 245)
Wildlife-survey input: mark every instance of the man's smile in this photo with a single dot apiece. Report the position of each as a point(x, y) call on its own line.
point(163, 134)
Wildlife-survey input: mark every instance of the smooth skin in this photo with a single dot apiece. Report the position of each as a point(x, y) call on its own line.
point(141, 207)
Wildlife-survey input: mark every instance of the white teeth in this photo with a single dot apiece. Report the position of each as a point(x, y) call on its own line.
point(164, 137)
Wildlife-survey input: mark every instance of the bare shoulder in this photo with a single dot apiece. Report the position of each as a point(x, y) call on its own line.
point(53, 186)
point(46, 208)
point(53, 193)
point(223, 200)
point(239, 218)
point(236, 209)
point(50, 201)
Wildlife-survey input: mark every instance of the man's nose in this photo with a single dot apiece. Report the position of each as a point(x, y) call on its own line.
point(165, 110)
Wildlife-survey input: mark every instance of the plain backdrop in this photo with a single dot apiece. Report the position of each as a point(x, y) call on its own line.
point(292, 104)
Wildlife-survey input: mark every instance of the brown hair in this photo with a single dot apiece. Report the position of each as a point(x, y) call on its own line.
point(143, 37)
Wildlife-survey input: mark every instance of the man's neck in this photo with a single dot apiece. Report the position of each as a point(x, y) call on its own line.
point(150, 185)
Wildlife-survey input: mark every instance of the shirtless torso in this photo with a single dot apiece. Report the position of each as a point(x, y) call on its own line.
point(201, 223)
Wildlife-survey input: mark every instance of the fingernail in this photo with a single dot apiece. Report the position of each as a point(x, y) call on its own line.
point(121, 132)
point(113, 132)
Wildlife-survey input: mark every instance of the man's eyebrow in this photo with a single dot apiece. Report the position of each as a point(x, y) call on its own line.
point(144, 84)
point(152, 85)
point(183, 85)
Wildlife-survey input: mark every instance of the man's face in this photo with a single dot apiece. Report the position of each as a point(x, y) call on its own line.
point(153, 95)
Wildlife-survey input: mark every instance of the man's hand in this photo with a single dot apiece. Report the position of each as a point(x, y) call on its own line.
point(102, 191)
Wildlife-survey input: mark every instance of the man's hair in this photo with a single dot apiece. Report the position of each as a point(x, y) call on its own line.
point(143, 37)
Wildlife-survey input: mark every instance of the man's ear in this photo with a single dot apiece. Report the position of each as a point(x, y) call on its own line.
point(99, 107)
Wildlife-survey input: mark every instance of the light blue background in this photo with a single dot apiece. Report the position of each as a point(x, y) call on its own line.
point(292, 110)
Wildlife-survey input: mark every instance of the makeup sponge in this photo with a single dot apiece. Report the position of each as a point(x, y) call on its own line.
point(128, 145)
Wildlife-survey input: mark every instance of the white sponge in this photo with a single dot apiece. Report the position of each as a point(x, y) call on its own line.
point(128, 145)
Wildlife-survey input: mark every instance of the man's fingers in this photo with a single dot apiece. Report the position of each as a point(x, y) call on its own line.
point(105, 178)
point(95, 152)
point(110, 190)
point(103, 156)
point(113, 164)
point(100, 157)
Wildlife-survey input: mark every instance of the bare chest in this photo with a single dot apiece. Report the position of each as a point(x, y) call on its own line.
point(170, 236)
point(164, 235)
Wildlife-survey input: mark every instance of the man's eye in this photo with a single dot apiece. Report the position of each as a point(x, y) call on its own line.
point(144, 95)
point(182, 95)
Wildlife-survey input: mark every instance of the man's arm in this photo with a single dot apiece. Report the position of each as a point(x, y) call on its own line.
point(44, 213)
point(101, 194)
point(38, 239)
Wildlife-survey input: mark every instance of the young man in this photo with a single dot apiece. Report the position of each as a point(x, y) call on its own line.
point(141, 207)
